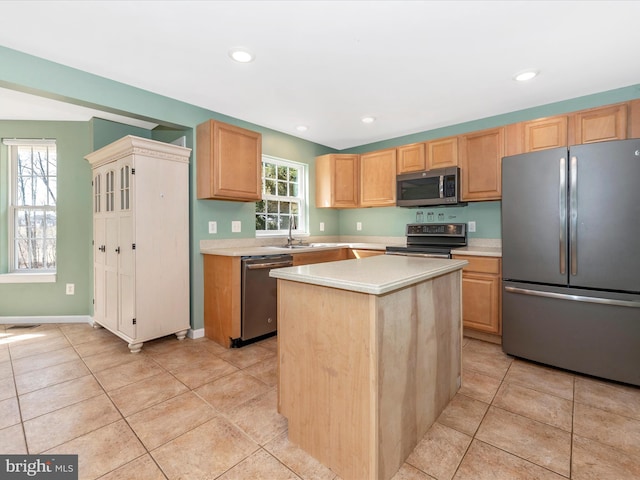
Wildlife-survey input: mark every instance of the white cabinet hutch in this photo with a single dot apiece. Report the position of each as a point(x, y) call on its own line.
point(141, 239)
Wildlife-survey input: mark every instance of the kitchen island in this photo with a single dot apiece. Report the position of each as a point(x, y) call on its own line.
point(369, 354)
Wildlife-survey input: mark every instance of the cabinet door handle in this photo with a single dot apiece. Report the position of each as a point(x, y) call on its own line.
point(102, 248)
point(118, 250)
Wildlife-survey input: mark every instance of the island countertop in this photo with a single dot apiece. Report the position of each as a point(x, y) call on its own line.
point(373, 275)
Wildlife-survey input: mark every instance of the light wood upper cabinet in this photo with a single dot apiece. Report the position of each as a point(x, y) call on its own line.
point(378, 178)
point(634, 119)
point(337, 181)
point(229, 162)
point(545, 133)
point(442, 153)
point(480, 164)
point(411, 158)
point(599, 124)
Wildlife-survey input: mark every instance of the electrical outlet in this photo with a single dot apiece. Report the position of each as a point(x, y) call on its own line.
point(358, 225)
point(472, 226)
point(322, 226)
point(71, 289)
point(213, 227)
point(236, 226)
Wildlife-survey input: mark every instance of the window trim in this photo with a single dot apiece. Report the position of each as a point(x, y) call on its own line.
point(302, 229)
point(14, 275)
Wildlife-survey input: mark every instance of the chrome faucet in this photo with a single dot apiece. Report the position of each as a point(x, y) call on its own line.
point(292, 225)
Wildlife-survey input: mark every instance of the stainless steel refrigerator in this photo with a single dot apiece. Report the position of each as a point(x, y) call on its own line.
point(571, 258)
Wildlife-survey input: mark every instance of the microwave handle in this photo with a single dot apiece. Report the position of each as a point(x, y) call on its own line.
point(441, 186)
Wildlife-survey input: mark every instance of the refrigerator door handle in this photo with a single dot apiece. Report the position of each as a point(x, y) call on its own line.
point(441, 186)
point(573, 212)
point(562, 205)
point(575, 298)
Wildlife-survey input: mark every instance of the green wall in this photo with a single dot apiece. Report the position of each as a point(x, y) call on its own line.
point(391, 221)
point(33, 75)
point(104, 132)
point(74, 229)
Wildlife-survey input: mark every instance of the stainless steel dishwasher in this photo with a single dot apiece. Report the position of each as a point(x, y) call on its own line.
point(259, 297)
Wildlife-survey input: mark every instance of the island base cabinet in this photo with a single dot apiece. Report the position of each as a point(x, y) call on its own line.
point(362, 377)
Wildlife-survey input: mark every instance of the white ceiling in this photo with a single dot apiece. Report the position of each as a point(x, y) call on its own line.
point(414, 65)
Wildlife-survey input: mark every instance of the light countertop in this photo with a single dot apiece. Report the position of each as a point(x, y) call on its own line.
point(239, 251)
point(373, 275)
point(278, 250)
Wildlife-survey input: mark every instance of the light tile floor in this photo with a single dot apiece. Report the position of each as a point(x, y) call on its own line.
point(194, 410)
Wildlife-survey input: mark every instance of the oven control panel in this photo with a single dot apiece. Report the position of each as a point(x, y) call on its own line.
point(436, 229)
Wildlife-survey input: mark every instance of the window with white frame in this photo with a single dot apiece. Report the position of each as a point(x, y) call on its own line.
point(32, 205)
point(284, 197)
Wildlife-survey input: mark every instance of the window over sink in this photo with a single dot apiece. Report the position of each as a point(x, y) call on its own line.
point(284, 197)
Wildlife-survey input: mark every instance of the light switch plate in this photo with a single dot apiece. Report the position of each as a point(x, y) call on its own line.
point(472, 226)
point(71, 289)
point(322, 226)
point(236, 226)
point(358, 225)
point(213, 227)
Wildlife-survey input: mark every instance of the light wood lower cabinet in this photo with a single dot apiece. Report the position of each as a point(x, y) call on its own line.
point(307, 258)
point(362, 377)
point(222, 298)
point(481, 294)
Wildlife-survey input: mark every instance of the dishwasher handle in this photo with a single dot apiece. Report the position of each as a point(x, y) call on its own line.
point(261, 266)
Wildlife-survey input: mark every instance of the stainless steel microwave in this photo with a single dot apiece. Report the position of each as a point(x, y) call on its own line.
point(432, 187)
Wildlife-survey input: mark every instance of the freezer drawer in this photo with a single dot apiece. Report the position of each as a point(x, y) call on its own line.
point(579, 330)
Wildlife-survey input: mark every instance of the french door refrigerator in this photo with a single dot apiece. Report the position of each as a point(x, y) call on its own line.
point(571, 258)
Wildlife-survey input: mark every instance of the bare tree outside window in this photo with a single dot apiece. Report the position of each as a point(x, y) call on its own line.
point(33, 203)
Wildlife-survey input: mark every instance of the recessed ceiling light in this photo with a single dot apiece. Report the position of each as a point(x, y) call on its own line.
point(525, 75)
point(302, 128)
point(241, 55)
point(368, 119)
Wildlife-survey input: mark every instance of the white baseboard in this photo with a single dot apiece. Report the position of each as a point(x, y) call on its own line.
point(199, 333)
point(46, 319)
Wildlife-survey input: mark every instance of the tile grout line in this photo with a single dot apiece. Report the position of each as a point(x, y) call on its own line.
point(122, 417)
point(15, 388)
